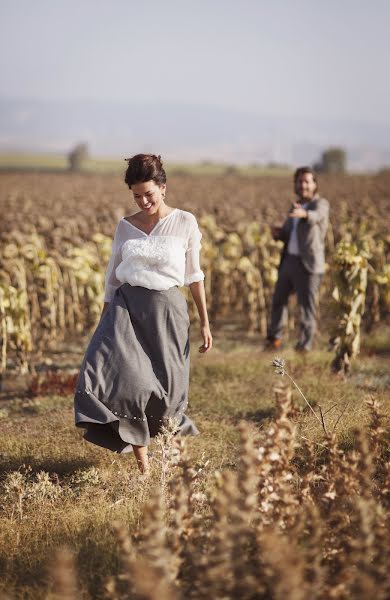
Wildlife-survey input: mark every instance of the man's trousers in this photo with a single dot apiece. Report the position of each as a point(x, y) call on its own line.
point(294, 277)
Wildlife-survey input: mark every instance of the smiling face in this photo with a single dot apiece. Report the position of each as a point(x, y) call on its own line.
point(149, 196)
point(306, 186)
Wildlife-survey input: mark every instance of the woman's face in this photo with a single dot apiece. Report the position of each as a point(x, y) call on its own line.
point(148, 196)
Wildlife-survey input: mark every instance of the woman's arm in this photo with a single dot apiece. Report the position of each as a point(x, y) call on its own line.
point(199, 296)
point(111, 283)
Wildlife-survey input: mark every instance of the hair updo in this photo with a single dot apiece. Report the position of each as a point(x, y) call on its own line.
point(145, 167)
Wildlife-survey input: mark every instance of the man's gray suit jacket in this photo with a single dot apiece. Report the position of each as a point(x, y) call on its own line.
point(311, 233)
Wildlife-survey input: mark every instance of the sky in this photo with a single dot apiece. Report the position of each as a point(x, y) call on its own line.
point(317, 59)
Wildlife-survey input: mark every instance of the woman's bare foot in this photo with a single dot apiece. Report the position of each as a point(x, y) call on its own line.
point(141, 456)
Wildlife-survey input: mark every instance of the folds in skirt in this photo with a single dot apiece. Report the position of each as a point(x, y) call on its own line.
point(135, 372)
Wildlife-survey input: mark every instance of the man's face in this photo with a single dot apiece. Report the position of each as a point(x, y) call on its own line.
point(305, 186)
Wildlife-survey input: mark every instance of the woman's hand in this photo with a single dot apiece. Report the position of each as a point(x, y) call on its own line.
point(207, 339)
point(199, 296)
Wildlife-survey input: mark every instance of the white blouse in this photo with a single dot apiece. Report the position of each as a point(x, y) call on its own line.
point(167, 256)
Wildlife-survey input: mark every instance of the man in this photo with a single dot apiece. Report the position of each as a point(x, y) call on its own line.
point(303, 259)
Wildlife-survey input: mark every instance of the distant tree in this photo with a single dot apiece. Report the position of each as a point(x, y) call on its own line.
point(333, 160)
point(383, 171)
point(77, 157)
point(231, 170)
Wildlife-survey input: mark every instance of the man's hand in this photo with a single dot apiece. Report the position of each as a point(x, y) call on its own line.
point(275, 231)
point(298, 212)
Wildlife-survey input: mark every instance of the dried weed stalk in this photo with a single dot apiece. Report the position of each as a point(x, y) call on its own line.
point(295, 520)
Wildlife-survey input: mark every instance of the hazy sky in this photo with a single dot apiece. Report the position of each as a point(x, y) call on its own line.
point(322, 58)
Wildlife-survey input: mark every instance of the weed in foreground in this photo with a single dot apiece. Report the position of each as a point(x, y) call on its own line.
point(297, 519)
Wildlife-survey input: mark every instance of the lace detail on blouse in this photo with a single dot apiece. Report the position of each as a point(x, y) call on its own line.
point(155, 251)
point(168, 256)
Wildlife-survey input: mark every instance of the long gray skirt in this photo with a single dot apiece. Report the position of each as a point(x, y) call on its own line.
point(135, 373)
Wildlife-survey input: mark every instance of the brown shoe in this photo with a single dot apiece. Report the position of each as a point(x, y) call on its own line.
point(273, 344)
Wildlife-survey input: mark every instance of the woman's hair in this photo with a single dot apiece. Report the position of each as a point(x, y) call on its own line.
point(302, 171)
point(145, 167)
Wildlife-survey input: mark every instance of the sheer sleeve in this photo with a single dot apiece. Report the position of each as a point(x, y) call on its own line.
point(111, 282)
point(193, 271)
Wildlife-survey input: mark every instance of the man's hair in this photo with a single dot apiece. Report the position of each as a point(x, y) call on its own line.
point(302, 171)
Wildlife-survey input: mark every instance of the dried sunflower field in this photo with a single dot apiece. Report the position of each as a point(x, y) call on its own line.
point(285, 494)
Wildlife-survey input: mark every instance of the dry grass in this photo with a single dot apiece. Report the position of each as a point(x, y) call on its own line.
point(223, 522)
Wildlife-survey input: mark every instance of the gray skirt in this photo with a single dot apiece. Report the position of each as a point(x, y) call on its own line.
point(135, 373)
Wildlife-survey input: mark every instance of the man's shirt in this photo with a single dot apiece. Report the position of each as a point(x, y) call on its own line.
point(293, 247)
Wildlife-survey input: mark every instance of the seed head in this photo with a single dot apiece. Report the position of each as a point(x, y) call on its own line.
point(278, 363)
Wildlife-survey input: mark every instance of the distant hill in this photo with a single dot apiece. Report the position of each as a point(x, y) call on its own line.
point(183, 133)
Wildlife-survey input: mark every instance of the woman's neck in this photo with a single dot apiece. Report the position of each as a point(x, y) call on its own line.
point(163, 211)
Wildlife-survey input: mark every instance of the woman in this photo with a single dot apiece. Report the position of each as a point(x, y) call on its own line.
point(135, 373)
